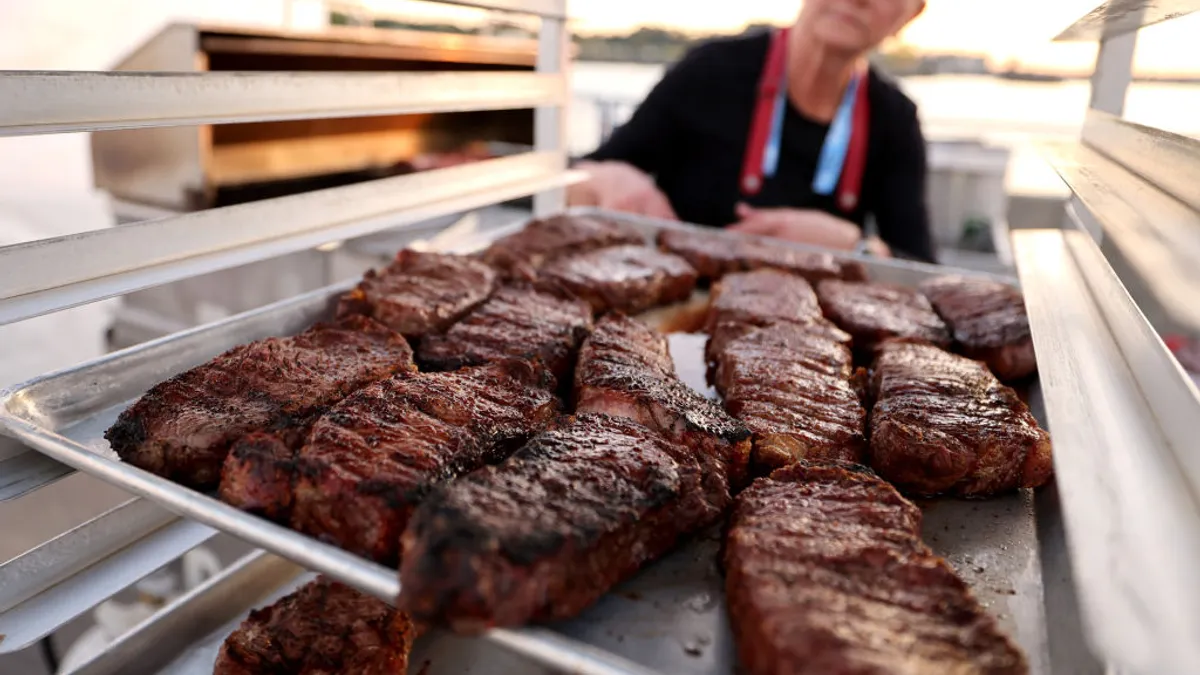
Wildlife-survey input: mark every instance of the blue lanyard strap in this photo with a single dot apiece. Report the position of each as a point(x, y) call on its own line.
point(833, 150)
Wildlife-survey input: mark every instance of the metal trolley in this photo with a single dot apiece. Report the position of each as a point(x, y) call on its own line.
point(1124, 416)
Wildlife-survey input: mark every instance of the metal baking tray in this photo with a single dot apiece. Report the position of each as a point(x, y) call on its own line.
point(1010, 549)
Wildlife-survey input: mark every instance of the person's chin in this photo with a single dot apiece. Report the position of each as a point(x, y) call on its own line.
point(843, 39)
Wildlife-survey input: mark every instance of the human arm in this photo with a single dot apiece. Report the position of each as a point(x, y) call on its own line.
point(805, 226)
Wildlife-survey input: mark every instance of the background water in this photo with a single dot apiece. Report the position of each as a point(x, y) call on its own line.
point(1010, 113)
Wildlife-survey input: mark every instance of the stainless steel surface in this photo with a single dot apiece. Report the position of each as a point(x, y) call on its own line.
point(22, 470)
point(110, 262)
point(1117, 17)
point(61, 102)
point(1170, 162)
point(1124, 420)
point(993, 544)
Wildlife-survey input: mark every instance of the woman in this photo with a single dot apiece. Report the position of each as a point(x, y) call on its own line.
point(787, 134)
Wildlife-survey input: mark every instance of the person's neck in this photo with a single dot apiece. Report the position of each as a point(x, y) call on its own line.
point(816, 77)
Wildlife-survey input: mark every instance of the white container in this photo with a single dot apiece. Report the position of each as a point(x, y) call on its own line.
point(966, 187)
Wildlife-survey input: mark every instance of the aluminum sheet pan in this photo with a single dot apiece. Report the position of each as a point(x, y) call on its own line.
point(673, 622)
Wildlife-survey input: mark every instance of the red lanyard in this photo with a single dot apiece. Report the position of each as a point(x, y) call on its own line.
point(767, 122)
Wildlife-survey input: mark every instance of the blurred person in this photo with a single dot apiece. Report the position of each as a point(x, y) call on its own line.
point(787, 134)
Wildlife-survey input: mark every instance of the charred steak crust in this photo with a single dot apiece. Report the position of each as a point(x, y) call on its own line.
point(943, 423)
point(420, 293)
point(826, 574)
point(630, 278)
point(874, 312)
point(374, 456)
point(715, 254)
point(792, 387)
point(183, 428)
point(523, 321)
point(625, 369)
point(322, 627)
point(550, 530)
point(988, 321)
point(521, 254)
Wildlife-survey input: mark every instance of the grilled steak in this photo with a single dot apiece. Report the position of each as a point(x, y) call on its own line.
point(792, 387)
point(547, 532)
point(826, 574)
point(322, 628)
point(625, 369)
point(987, 320)
point(421, 293)
point(872, 313)
point(373, 457)
point(944, 423)
point(745, 301)
point(626, 278)
point(715, 254)
point(520, 321)
point(521, 254)
point(182, 428)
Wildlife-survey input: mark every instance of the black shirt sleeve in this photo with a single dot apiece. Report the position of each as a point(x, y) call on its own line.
point(902, 214)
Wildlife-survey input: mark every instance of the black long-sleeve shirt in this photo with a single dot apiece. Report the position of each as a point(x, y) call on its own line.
point(691, 135)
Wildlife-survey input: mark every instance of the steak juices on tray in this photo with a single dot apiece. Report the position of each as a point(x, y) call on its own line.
point(534, 447)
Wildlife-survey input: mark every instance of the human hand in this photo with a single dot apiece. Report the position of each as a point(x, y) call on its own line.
point(620, 187)
point(806, 226)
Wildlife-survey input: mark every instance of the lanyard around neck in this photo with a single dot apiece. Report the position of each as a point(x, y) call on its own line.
point(843, 152)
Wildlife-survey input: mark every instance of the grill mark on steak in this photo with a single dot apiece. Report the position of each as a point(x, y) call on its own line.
point(745, 301)
point(520, 255)
point(322, 627)
point(630, 278)
point(943, 423)
point(520, 321)
point(988, 321)
point(715, 254)
point(625, 369)
point(420, 293)
point(373, 457)
point(546, 533)
point(826, 574)
point(874, 312)
point(791, 386)
point(182, 428)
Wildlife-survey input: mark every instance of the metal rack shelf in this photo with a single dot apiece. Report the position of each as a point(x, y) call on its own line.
point(1119, 17)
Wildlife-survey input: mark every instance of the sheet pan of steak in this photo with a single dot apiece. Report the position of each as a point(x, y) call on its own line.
point(625, 369)
point(792, 387)
point(521, 254)
point(324, 627)
point(370, 460)
point(748, 300)
point(715, 254)
point(420, 293)
point(544, 534)
point(826, 573)
point(943, 423)
point(524, 321)
point(183, 428)
point(874, 312)
point(988, 322)
point(625, 278)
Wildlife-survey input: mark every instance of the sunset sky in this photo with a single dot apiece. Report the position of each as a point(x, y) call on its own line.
point(1003, 30)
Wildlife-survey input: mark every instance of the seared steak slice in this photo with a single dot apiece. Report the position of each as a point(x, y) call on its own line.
point(519, 321)
point(873, 312)
point(626, 278)
point(182, 428)
point(715, 254)
point(625, 369)
point(421, 293)
point(745, 301)
point(944, 423)
point(987, 320)
point(547, 532)
point(521, 254)
point(826, 574)
point(324, 627)
point(792, 388)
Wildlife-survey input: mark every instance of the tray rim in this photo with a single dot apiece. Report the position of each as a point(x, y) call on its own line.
point(543, 645)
